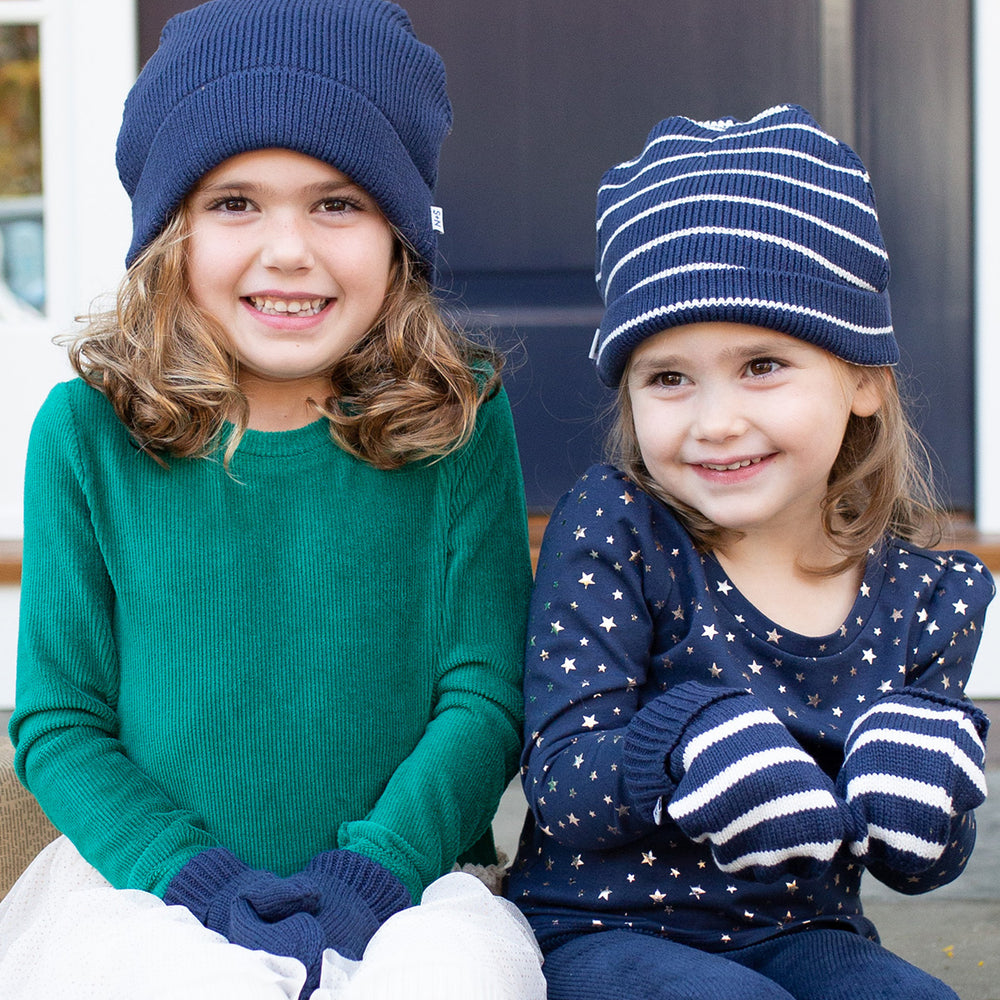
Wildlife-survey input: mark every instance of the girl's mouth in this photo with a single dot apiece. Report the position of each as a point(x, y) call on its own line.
point(272, 306)
point(732, 466)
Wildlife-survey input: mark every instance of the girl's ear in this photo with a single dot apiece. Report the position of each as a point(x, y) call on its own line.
point(869, 392)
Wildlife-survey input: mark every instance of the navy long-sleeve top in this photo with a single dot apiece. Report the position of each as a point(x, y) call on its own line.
point(624, 609)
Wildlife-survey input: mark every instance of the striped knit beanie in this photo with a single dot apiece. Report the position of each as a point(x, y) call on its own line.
point(769, 222)
point(344, 81)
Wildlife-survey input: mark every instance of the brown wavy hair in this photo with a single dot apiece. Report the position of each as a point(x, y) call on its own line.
point(409, 390)
point(881, 481)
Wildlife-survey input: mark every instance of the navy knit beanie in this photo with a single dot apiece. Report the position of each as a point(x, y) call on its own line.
point(769, 222)
point(344, 81)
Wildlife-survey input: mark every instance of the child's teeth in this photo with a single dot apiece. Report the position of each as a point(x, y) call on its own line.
point(732, 467)
point(296, 307)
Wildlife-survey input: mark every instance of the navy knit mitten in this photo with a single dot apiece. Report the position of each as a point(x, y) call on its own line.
point(356, 896)
point(255, 909)
point(912, 763)
point(747, 787)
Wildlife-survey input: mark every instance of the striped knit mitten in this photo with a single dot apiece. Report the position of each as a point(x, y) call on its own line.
point(747, 787)
point(912, 763)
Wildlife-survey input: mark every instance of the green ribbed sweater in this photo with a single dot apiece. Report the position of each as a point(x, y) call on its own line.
point(303, 653)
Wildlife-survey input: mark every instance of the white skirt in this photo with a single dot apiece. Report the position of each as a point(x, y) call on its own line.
point(66, 933)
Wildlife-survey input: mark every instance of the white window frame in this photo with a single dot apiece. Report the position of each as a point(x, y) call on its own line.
point(88, 62)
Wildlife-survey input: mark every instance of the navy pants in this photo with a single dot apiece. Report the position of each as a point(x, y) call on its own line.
point(807, 965)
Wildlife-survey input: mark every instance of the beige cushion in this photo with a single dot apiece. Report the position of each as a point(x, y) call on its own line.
point(24, 830)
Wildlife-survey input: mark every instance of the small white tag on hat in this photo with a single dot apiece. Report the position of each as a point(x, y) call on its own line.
point(594, 344)
point(437, 219)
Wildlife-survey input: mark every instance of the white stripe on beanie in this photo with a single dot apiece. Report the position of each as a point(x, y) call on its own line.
point(770, 222)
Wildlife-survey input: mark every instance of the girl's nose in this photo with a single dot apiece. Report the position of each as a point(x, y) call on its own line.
point(719, 415)
point(286, 247)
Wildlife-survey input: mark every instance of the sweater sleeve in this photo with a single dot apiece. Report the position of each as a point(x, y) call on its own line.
point(588, 668)
point(948, 624)
point(443, 796)
point(65, 726)
point(944, 638)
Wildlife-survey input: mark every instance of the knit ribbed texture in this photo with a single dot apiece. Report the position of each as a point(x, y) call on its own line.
point(356, 897)
point(344, 81)
point(381, 891)
point(255, 909)
point(769, 222)
point(913, 762)
point(301, 654)
point(748, 788)
point(651, 737)
point(212, 880)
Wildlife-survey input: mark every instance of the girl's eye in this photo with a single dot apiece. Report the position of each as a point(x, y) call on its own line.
point(763, 366)
point(233, 203)
point(337, 205)
point(669, 380)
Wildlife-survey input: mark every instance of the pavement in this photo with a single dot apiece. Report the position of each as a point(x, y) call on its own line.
point(952, 933)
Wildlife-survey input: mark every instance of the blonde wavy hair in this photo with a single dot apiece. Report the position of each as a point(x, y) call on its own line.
point(881, 481)
point(409, 390)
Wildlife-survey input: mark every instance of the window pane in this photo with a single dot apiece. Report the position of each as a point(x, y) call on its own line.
point(22, 276)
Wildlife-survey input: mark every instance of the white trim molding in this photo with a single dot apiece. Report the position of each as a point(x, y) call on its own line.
point(88, 62)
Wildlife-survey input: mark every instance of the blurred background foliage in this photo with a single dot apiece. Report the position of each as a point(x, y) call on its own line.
point(20, 111)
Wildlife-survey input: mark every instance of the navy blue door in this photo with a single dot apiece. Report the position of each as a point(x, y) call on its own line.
point(549, 93)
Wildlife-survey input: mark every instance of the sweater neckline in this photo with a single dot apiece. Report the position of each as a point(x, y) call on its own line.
point(865, 603)
point(282, 444)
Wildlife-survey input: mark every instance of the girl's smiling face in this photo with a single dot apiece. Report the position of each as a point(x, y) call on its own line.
point(742, 423)
point(293, 259)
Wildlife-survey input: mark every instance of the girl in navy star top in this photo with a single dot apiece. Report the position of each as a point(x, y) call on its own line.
point(744, 678)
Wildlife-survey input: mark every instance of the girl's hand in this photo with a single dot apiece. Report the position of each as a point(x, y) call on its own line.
point(356, 896)
point(746, 786)
point(255, 909)
point(913, 763)
point(298, 935)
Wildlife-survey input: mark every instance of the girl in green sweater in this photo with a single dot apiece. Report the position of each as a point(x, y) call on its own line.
point(275, 556)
